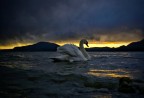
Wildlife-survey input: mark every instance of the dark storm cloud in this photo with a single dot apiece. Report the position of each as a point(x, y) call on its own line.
point(123, 35)
point(43, 20)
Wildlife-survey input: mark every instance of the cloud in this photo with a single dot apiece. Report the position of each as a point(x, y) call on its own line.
point(44, 20)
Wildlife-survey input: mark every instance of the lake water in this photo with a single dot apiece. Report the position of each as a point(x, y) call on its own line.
point(48, 78)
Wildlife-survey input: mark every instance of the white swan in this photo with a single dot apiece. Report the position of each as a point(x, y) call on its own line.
point(72, 53)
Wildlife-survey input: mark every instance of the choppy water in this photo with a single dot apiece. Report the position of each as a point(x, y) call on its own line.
point(74, 78)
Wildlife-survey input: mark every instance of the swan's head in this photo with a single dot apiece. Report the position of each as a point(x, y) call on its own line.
point(85, 42)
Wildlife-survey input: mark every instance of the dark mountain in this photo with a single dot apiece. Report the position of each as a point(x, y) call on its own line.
point(41, 46)
point(134, 46)
point(137, 44)
point(47, 46)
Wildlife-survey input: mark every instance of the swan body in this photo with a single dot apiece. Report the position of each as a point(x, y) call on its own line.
point(72, 53)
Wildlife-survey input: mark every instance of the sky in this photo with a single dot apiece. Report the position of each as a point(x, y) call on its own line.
point(103, 23)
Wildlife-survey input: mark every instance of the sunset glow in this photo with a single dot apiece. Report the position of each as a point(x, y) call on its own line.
point(91, 44)
point(98, 44)
point(103, 23)
point(14, 45)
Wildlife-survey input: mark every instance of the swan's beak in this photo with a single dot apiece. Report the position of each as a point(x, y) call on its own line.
point(87, 45)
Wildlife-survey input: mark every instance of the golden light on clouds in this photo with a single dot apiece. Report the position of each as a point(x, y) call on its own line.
point(91, 44)
point(11, 46)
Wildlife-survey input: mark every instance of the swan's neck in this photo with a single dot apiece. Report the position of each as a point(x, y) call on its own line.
point(82, 49)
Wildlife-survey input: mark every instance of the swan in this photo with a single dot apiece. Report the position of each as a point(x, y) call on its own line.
point(71, 53)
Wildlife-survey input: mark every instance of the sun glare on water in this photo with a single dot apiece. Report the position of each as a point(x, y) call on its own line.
point(109, 73)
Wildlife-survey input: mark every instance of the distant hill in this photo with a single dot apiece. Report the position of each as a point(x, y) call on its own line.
point(41, 46)
point(134, 46)
point(47, 46)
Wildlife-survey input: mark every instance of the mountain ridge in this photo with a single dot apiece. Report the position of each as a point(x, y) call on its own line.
point(48, 46)
point(40, 46)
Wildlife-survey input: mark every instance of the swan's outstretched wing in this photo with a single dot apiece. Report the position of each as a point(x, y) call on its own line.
point(71, 50)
